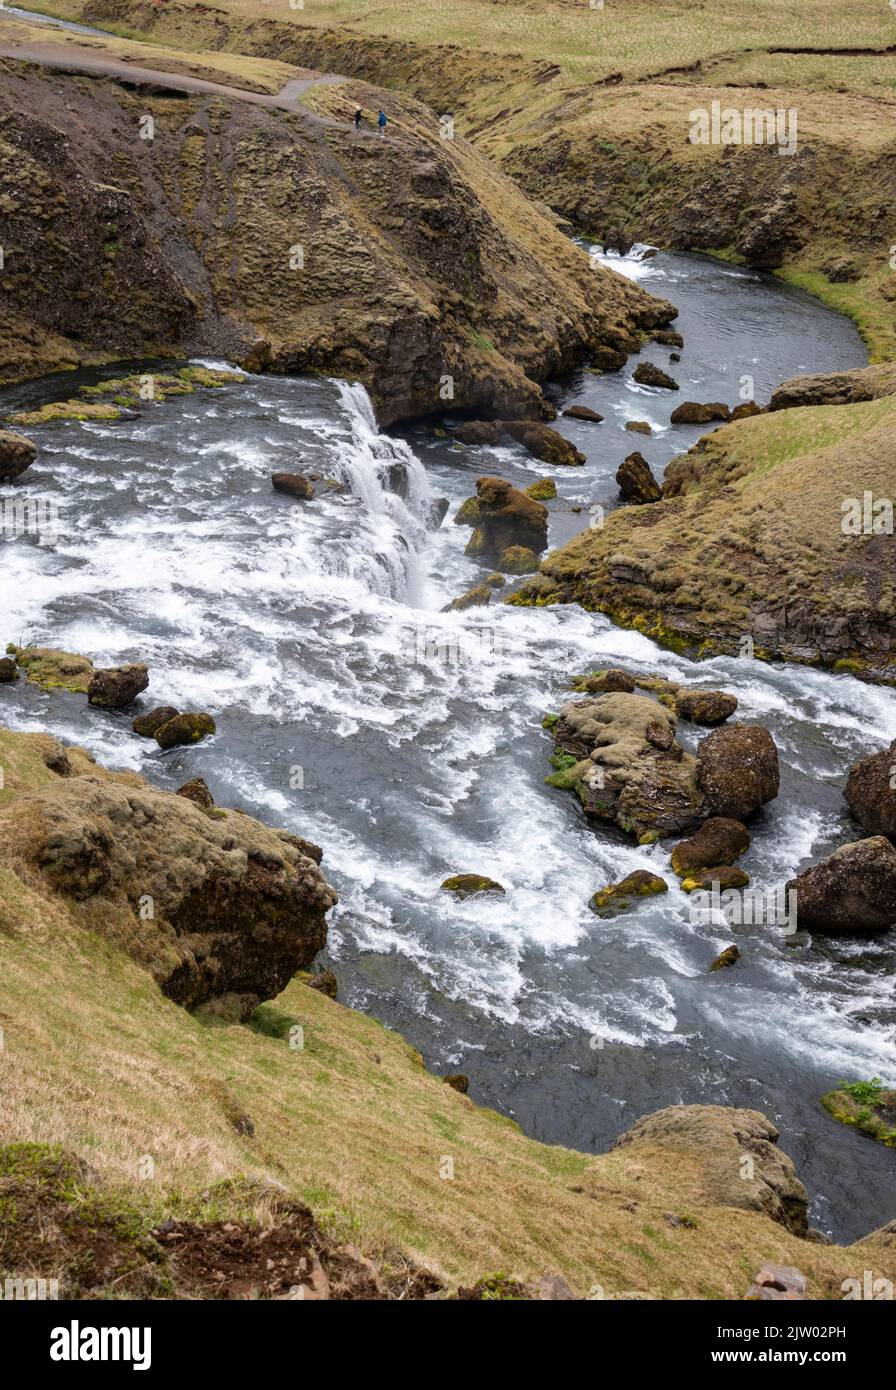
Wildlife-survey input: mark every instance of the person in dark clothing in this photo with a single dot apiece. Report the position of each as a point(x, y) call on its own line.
point(358, 114)
point(381, 122)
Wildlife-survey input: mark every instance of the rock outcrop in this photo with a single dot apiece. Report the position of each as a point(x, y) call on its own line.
point(116, 687)
point(853, 890)
point(617, 897)
point(695, 413)
point(720, 566)
point(646, 374)
point(619, 755)
point(544, 443)
point(718, 841)
point(212, 903)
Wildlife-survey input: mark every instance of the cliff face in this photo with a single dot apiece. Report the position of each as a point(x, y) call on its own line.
point(771, 538)
point(282, 239)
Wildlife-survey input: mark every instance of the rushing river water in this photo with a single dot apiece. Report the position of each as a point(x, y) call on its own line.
point(408, 741)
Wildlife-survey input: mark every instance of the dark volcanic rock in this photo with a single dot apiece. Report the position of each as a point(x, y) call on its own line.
point(871, 795)
point(705, 706)
point(853, 890)
point(636, 480)
point(117, 686)
point(647, 374)
point(582, 412)
point(478, 432)
point(718, 841)
point(738, 770)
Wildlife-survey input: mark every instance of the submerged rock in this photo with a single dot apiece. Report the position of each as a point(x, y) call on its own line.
point(719, 840)
point(146, 724)
point(636, 480)
point(470, 885)
point(582, 412)
point(546, 444)
point(853, 890)
point(617, 897)
point(870, 792)
point(639, 426)
point(184, 729)
point(16, 454)
point(738, 770)
point(116, 687)
point(647, 374)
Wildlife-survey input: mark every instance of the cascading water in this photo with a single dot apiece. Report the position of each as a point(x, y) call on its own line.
point(315, 634)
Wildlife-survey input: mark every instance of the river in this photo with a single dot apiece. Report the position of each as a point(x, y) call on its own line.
point(408, 741)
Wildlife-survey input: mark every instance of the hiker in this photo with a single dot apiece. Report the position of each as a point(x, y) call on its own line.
point(358, 114)
point(381, 122)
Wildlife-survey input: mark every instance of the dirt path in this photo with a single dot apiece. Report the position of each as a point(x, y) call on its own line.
point(71, 58)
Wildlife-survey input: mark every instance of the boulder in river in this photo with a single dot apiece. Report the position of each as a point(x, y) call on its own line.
point(471, 885)
point(295, 484)
point(738, 770)
point(695, 413)
point(518, 559)
point(478, 432)
point(853, 890)
point(636, 481)
point(16, 454)
point(473, 598)
point(507, 517)
point(718, 877)
point(582, 412)
point(8, 670)
point(704, 706)
point(871, 794)
point(648, 374)
point(542, 491)
point(719, 840)
point(116, 687)
point(618, 753)
point(543, 442)
point(639, 426)
point(725, 959)
point(745, 410)
point(599, 682)
point(617, 897)
point(184, 729)
point(146, 724)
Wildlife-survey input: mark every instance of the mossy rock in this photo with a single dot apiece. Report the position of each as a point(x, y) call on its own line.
point(53, 669)
point(467, 513)
point(724, 876)
point(518, 559)
point(867, 1106)
point(617, 897)
point(471, 885)
point(184, 729)
point(542, 491)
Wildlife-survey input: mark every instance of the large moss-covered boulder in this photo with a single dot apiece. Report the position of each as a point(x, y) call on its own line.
point(853, 890)
point(184, 729)
point(738, 770)
point(871, 794)
point(618, 753)
point(53, 669)
point(471, 885)
point(212, 906)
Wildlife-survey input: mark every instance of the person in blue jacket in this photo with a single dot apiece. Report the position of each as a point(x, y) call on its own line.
point(381, 122)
